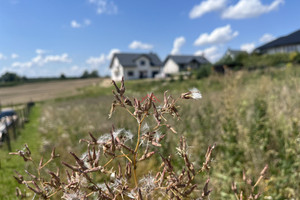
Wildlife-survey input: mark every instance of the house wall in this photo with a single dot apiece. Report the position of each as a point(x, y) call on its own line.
point(117, 70)
point(170, 67)
point(133, 72)
point(284, 49)
point(144, 68)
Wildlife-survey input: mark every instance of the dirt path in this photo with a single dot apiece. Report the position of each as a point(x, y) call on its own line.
point(44, 91)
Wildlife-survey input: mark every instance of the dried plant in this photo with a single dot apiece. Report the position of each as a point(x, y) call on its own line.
point(108, 169)
point(250, 189)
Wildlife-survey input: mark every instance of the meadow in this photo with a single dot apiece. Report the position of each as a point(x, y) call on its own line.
point(253, 117)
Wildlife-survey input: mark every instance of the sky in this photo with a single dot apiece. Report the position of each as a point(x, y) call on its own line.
point(44, 38)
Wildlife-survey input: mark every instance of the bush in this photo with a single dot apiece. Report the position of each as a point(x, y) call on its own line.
point(203, 71)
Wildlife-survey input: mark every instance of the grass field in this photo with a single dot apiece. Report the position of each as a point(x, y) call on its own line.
point(253, 117)
point(8, 163)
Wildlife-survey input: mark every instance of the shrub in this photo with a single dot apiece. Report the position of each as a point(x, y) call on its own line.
point(203, 71)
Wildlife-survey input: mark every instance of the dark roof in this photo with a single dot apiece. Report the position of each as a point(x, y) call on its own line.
point(186, 59)
point(293, 38)
point(128, 59)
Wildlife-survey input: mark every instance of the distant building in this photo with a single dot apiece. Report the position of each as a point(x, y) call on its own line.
point(285, 44)
point(181, 63)
point(232, 53)
point(134, 66)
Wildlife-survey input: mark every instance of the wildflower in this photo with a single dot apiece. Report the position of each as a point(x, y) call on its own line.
point(194, 93)
point(73, 196)
point(148, 183)
point(145, 127)
point(132, 194)
point(117, 132)
point(104, 138)
point(128, 135)
point(112, 176)
point(157, 136)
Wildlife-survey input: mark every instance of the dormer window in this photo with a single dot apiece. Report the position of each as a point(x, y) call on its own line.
point(142, 63)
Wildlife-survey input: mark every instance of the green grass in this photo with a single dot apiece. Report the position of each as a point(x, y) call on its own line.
point(10, 163)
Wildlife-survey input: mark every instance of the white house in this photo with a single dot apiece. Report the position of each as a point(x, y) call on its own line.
point(180, 63)
point(285, 44)
point(134, 66)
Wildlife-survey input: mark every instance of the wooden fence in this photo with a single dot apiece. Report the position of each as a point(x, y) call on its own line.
point(13, 119)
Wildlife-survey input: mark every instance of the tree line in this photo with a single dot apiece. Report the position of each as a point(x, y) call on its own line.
point(13, 78)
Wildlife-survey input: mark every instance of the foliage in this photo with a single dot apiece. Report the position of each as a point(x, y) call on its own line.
point(203, 72)
point(62, 76)
point(10, 77)
point(93, 74)
point(254, 60)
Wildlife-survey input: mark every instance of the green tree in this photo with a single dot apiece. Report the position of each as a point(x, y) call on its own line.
point(85, 74)
point(10, 77)
point(94, 74)
point(62, 76)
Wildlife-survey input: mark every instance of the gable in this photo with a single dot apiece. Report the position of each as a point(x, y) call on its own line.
point(129, 59)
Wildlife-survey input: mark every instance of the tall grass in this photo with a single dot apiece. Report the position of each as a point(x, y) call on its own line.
point(253, 117)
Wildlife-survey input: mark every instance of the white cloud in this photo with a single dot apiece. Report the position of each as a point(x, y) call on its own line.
point(218, 36)
point(96, 62)
point(103, 59)
point(249, 47)
point(139, 45)
point(40, 51)
point(74, 68)
point(249, 8)
point(63, 58)
point(105, 6)
point(87, 22)
point(2, 57)
point(211, 53)
point(178, 43)
point(111, 53)
point(206, 7)
point(101, 63)
point(266, 38)
point(75, 24)
point(40, 60)
point(14, 55)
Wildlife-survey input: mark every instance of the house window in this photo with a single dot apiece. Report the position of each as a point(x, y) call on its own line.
point(154, 73)
point(181, 67)
point(143, 74)
point(130, 73)
point(142, 63)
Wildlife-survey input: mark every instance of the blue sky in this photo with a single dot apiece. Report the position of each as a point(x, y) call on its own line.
point(50, 37)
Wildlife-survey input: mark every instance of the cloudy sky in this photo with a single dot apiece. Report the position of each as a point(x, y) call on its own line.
point(50, 37)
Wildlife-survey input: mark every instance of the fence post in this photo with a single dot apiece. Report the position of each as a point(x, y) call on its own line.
point(14, 128)
point(22, 117)
point(7, 136)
